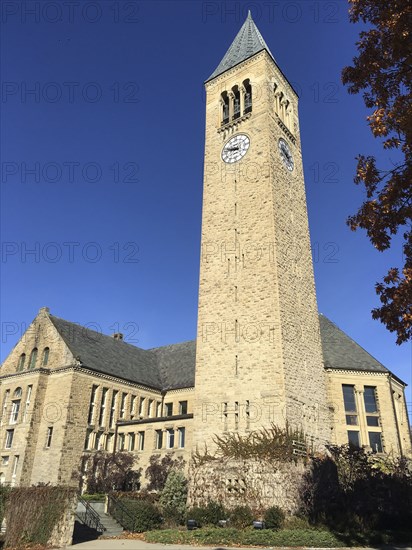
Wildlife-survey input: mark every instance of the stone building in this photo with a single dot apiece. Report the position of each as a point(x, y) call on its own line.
point(262, 355)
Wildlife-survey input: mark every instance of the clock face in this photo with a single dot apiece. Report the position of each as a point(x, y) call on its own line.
point(235, 148)
point(286, 154)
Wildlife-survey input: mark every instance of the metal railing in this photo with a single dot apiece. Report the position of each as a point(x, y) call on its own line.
point(119, 511)
point(90, 517)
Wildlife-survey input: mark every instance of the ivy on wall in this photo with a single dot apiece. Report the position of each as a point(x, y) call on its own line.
point(34, 513)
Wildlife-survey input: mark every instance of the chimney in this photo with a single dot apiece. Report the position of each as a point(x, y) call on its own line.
point(118, 336)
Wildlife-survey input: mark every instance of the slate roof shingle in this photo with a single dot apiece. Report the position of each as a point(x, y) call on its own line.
point(172, 367)
point(247, 42)
point(341, 352)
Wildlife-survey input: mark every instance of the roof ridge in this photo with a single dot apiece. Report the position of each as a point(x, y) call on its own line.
point(100, 334)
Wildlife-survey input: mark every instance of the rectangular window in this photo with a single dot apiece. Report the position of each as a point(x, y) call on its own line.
point(168, 409)
point(15, 408)
point(92, 405)
point(5, 402)
point(99, 441)
point(4, 460)
point(170, 439)
point(372, 421)
point(103, 406)
point(375, 441)
point(236, 415)
point(121, 442)
point(349, 398)
point(369, 396)
point(159, 439)
point(109, 442)
point(182, 407)
point(353, 438)
point(141, 406)
point(27, 405)
point(150, 408)
point(49, 435)
point(113, 409)
point(123, 405)
point(182, 436)
point(15, 465)
point(87, 441)
point(132, 406)
point(247, 411)
point(158, 409)
point(141, 441)
point(131, 442)
point(352, 419)
point(9, 438)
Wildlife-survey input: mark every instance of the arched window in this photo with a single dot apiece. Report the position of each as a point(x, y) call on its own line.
point(17, 393)
point(248, 96)
point(236, 102)
point(22, 360)
point(46, 352)
point(224, 101)
point(33, 358)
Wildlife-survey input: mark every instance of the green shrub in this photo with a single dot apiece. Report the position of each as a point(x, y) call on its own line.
point(241, 517)
point(207, 515)
point(297, 522)
point(141, 516)
point(274, 518)
point(173, 498)
point(212, 536)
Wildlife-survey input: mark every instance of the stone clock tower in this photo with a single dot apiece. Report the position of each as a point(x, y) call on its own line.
point(259, 356)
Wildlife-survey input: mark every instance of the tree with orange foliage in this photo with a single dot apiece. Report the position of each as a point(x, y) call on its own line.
point(382, 70)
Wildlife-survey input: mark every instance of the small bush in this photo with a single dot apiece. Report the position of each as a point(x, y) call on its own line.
point(297, 522)
point(241, 517)
point(274, 518)
point(173, 498)
point(207, 515)
point(142, 516)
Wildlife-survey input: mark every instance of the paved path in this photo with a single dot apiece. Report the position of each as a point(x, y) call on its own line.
point(128, 544)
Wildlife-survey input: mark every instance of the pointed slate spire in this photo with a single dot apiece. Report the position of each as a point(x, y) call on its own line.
point(248, 42)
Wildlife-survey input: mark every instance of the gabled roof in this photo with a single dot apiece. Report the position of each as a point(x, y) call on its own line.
point(248, 42)
point(341, 352)
point(105, 354)
point(165, 368)
point(176, 364)
point(172, 367)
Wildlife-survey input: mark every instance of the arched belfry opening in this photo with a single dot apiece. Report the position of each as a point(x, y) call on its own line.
point(236, 102)
point(248, 96)
point(224, 101)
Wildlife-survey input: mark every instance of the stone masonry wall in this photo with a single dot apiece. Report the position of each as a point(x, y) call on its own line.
point(247, 482)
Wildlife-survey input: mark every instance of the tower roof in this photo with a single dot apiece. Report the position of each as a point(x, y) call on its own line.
point(248, 42)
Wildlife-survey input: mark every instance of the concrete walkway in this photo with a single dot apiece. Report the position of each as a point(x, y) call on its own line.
point(128, 544)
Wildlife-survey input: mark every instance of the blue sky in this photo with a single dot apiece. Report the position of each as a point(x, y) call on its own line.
point(102, 142)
